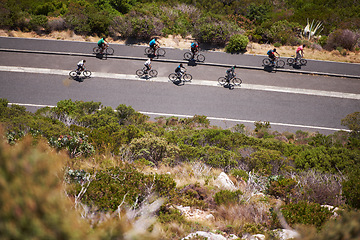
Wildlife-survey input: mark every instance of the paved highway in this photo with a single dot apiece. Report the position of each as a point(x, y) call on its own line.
point(289, 101)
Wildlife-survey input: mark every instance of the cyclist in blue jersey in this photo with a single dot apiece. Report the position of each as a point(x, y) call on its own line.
point(194, 48)
point(180, 70)
point(154, 44)
point(271, 54)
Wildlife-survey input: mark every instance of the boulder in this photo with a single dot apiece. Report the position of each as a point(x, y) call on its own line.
point(207, 235)
point(224, 182)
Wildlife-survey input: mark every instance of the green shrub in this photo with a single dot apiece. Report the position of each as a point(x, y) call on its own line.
point(306, 213)
point(323, 40)
point(346, 226)
point(241, 174)
point(237, 43)
point(213, 31)
point(154, 149)
point(352, 121)
point(258, 13)
point(112, 186)
point(267, 161)
point(284, 188)
point(32, 200)
point(75, 143)
point(351, 189)
point(227, 197)
point(38, 21)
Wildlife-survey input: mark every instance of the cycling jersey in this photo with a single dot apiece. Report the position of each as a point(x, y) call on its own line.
point(147, 63)
point(300, 48)
point(101, 42)
point(270, 52)
point(81, 63)
point(194, 45)
point(152, 42)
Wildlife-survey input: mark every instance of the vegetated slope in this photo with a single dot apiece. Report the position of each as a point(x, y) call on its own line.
point(118, 163)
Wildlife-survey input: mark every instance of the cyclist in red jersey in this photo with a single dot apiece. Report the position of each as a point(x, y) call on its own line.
point(300, 52)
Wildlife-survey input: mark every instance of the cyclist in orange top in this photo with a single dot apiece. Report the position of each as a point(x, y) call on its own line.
point(300, 52)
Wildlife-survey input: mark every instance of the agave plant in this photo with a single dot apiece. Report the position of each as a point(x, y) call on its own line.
point(311, 29)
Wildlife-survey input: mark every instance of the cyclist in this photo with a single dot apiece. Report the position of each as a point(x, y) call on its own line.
point(230, 73)
point(194, 48)
point(300, 52)
point(148, 65)
point(81, 66)
point(271, 54)
point(102, 43)
point(180, 70)
point(154, 44)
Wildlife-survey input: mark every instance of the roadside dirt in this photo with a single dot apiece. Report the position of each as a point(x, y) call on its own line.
point(184, 43)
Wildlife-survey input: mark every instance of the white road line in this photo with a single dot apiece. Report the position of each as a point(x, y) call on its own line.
point(210, 118)
point(194, 82)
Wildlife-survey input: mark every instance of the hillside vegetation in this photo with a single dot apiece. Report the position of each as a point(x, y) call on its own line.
point(82, 170)
point(208, 21)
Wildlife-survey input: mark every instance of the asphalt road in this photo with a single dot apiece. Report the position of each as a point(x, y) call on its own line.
point(289, 101)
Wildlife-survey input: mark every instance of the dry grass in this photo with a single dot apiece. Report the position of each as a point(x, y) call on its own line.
point(184, 43)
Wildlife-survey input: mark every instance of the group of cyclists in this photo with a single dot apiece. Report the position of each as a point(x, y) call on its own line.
point(154, 44)
point(299, 53)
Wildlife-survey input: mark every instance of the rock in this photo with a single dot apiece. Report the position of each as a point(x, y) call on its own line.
point(210, 217)
point(284, 234)
point(253, 237)
point(223, 181)
point(208, 235)
point(333, 209)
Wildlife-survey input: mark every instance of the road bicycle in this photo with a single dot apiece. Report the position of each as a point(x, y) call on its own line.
point(293, 60)
point(107, 50)
point(276, 63)
point(197, 56)
point(77, 73)
point(159, 51)
point(177, 77)
point(225, 80)
point(144, 71)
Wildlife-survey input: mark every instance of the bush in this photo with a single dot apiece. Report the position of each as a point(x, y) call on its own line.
point(351, 189)
point(154, 149)
point(323, 41)
point(344, 38)
point(237, 43)
point(227, 197)
point(213, 31)
point(352, 121)
point(306, 213)
point(284, 188)
point(38, 21)
point(32, 200)
point(112, 186)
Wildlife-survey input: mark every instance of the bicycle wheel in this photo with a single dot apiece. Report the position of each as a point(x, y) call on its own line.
point(96, 50)
point(200, 58)
point(280, 63)
point(187, 77)
point(148, 51)
point(187, 55)
point(266, 62)
point(222, 81)
point(153, 73)
point(109, 51)
point(303, 61)
point(72, 74)
point(139, 72)
point(236, 81)
point(290, 61)
point(87, 73)
point(160, 52)
point(173, 77)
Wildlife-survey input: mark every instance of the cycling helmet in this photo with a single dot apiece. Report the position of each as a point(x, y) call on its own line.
point(181, 65)
point(84, 60)
point(274, 50)
point(234, 67)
